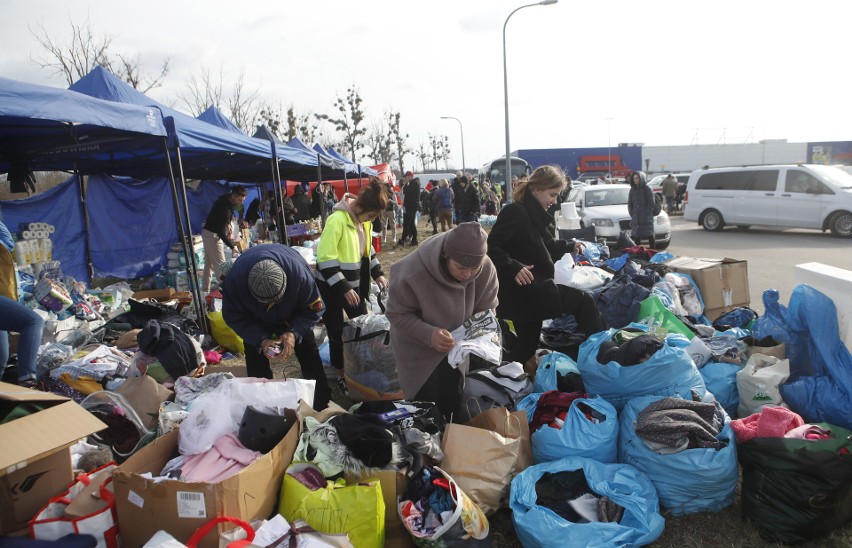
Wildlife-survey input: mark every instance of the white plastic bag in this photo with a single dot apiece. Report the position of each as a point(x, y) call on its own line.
point(584, 277)
point(208, 419)
point(270, 396)
point(563, 269)
point(758, 382)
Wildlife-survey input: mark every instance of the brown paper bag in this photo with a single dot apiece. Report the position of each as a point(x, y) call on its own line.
point(778, 351)
point(145, 395)
point(481, 462)
point(509, 425)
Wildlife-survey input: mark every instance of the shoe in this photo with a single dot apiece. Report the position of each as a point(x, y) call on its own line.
point(33, 384)
point(341, 386)
point(414, 244)
point(434, 232)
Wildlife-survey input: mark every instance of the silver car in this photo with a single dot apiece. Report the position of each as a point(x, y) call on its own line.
point(605, 208)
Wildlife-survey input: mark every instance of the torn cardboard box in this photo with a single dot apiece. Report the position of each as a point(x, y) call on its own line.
point(35, 463)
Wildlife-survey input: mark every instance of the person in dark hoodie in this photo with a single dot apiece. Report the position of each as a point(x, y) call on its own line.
point(216, 232)
point(346, 260)
point(641, 204)
point(436, 288)
point(523, 250)
point(269, 299)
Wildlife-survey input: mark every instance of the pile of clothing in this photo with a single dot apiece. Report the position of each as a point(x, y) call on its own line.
point(568, 494)
point(671, 425)
point(777, 422)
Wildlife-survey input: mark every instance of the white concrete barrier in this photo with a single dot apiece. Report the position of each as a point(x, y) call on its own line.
point(835, 283)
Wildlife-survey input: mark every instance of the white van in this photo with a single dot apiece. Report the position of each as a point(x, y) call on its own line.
point(794, 196)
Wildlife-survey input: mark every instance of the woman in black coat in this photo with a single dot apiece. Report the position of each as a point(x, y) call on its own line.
point(641, 205)
point(523, 250)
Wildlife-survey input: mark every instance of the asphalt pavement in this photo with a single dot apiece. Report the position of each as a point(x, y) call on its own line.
point(771, 254)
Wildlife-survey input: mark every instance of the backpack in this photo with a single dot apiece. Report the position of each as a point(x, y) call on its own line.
point(742, 316)
point(618, 301)
point(498, 386)
point(445, 198)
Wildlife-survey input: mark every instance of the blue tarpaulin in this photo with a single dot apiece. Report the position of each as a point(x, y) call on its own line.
point(131, 223)
point(61, 207)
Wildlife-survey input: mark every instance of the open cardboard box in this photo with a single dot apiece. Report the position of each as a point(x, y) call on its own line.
point(146, 506)
point(35, 463)
point(165, 294)
point(723, 282)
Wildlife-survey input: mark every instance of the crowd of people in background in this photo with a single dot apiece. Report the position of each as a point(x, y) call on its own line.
point(441, 202)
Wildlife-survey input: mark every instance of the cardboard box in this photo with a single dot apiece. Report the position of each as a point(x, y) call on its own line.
point(157, 294)
point(723, 282)
point(145, 506)
point(35, 462)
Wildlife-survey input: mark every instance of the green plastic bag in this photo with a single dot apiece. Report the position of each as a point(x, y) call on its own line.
point(358, 510)
point(223, 334)
point(653, 313)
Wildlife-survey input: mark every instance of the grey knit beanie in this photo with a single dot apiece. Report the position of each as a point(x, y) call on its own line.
point(267, 281)
point(466, 244)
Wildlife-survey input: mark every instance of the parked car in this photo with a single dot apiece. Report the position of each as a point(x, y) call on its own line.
point(605, 208)
point(789, 196)
point(656, 182)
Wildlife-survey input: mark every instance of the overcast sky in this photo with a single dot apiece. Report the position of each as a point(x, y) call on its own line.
point(664, 72)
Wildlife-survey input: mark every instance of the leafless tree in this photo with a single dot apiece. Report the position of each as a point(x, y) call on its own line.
point(380, 143)
point(423, 154)
point(207, 89)
point(87, 50)
point(401, 148)
point(349, 121)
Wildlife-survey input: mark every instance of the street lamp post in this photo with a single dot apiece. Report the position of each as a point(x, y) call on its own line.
point(608, 148)
point(461, 128)
point(508, 174)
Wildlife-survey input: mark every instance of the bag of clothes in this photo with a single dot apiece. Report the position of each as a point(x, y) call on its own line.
point(686, 448)
point(497, 386)
point(566, 424)
point(557, 371)
point(794, 489)
point(369, 367)
point(820, 383)
point(436, 512)
point(670, 371)
point(334, 506)
point(576, 501)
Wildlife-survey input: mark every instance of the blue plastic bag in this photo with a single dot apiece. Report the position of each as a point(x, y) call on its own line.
point(549, 368)
point(694, 480)
point(773, 323)
point(820, 383)
point(669, 372)
point(537, 526)
point(617, 263)
point(720, 378)
point(661, 257)
point(579, 437)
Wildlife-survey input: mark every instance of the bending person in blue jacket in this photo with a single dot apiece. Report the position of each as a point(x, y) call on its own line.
point(270, 298)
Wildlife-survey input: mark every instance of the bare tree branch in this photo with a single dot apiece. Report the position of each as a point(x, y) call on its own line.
point(86, 51)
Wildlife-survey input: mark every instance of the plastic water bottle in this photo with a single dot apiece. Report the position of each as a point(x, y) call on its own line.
point(76, 338)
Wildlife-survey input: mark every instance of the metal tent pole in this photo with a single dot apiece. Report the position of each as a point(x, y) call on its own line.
point(276, 178)
point(189, 247)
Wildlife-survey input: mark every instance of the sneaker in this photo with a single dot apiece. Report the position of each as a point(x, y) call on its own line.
point(341, 386)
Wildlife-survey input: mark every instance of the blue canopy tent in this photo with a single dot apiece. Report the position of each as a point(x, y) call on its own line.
point(202, 150)
point(214, 116)
point(206, 151)
point(50, 129)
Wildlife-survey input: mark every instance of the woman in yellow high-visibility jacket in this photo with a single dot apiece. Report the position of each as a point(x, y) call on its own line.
point(346, 260)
